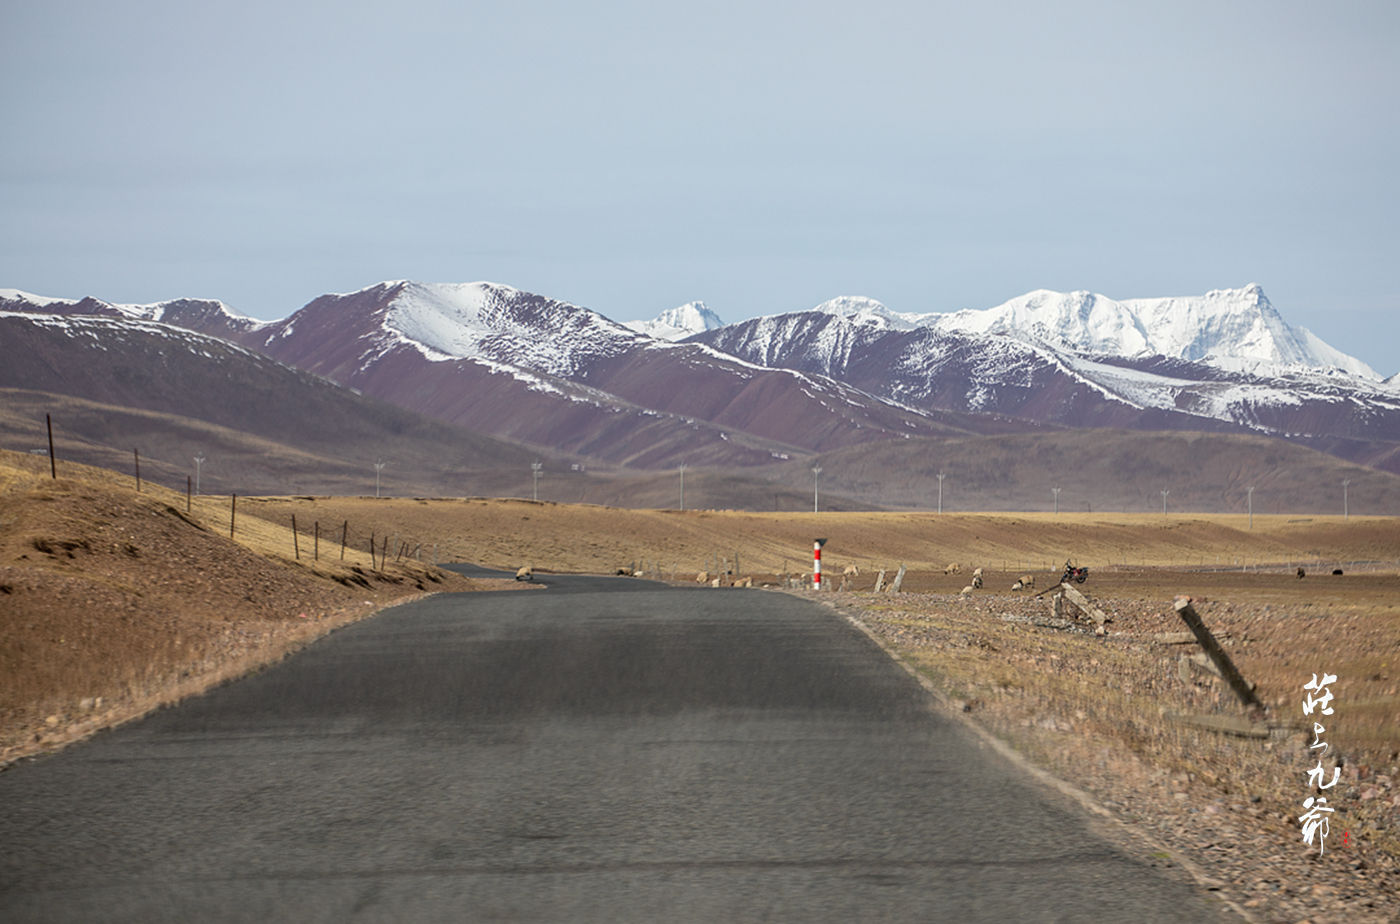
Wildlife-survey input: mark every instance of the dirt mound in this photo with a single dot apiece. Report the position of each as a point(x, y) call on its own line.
point(113, 602)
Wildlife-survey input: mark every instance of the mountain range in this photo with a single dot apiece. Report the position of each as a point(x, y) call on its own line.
point(551, 377)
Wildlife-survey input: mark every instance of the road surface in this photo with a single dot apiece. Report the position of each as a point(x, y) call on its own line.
point(601, 750)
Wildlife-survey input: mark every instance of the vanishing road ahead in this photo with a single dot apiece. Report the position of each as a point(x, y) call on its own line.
point(602, 750)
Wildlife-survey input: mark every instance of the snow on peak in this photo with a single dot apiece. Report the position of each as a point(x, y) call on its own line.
point(1236, 329)
point(678, 323)
point(864, 311)
point(489, 321)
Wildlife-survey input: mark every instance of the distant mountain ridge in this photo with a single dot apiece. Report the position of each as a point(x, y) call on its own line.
point(531, 369)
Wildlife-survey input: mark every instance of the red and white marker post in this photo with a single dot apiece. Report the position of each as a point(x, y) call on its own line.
point(817, 563)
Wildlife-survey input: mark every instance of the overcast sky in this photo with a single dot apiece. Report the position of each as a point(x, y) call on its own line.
point(760, 156)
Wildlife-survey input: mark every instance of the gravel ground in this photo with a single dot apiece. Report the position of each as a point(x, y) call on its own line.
point(1098, 712)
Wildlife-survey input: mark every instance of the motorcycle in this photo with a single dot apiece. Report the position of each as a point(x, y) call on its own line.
point(1077, 575)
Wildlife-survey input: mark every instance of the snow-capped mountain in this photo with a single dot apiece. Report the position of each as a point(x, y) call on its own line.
point(530, 368)
point(208, 316)
point(1234, 329)
point(678, 323)
point(1079, 361)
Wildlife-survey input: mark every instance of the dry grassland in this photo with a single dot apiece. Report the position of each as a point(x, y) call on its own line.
point(113, 603)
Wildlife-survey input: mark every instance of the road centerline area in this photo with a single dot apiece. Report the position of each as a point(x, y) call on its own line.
point(603, 749)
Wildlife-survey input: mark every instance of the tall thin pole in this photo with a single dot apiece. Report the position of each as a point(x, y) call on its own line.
point(535, 468)
point(1165, 492)
point(198, 463)
point(940, 492)
point(682, 487)
point(53, 465)
point(816, 474)
point(378, 467)
point(137, 454)
point(1250, 497)
point(1346, 511)
point(1056, 492)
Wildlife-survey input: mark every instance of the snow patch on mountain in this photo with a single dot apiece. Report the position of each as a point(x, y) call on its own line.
point(866, 312)
point(1238, 330)
point(678, 323)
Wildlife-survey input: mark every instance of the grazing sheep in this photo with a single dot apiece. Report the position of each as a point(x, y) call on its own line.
point(1028, 581)
point(1301, 573)
point(952, 569)
point(851, 571)
point(525, 574)
point(1018, 586)
point(977, 572)
point(744, 582)
point(703, 577)
point(977, 580)
point(966, 591)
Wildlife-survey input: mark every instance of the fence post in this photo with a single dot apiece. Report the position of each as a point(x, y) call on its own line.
point(898, 581)
point(296, 546)
point(137, 454)
point(344, 529)
point(232, 513)
point(53, 465)
point(316, 548)
point(1242, 690)
point(371, 550)
point(189, 492)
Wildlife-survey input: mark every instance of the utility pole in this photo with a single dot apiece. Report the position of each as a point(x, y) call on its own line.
point(1056, 492)
point(816, 474)
point(1250, 496)
point(198, 463)
point(682, 487)
point(940, 492)
point(1165, 492)
point(378, 467)
point(1346, 512)
point(535, 467)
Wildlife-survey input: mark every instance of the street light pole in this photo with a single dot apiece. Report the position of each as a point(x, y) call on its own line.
point(1165, 492)
point(816, 475)
point(1057, 500)
point(378, 467)
point(1346, 512)
point(682, 487)
point(198, 463)
point(1250, 492)
point(535, 467)
point(940, 492)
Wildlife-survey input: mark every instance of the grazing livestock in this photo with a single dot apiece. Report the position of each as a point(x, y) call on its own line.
point(977, 580)
point(1018, 586)
point(966, 591)
point(525, 574)
point(1301, 573)
point(1028, 581)
point(703, 577)
point(953, 568)
point(1336, 570)
point(851, 571)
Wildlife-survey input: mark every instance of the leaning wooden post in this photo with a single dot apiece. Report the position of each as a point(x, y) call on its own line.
point(137, 454)
point(371, 550)
point(189, 492)
point(344, 528)
point(898, 581)
point(232, 513)
point(296, 546)
point(53, 464)
point(880, 581)
point(1242, 690)
point(384, 553)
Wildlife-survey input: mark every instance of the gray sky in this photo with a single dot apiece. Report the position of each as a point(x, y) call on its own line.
point(761, 156)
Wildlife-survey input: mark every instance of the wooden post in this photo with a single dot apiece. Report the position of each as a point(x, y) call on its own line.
point(53, 464)
point(880, 581)
point(137, 454)
point(316, 548)
point(1242, 690)
point(371, 550)
point(1081, 601)
point(344, 529)
point(232, 513)
point(189, 492)
point(296, 546)
point(898, 581)
point(384, 552)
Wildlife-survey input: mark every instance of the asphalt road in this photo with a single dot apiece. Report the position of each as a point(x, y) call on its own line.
point(603, 750)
